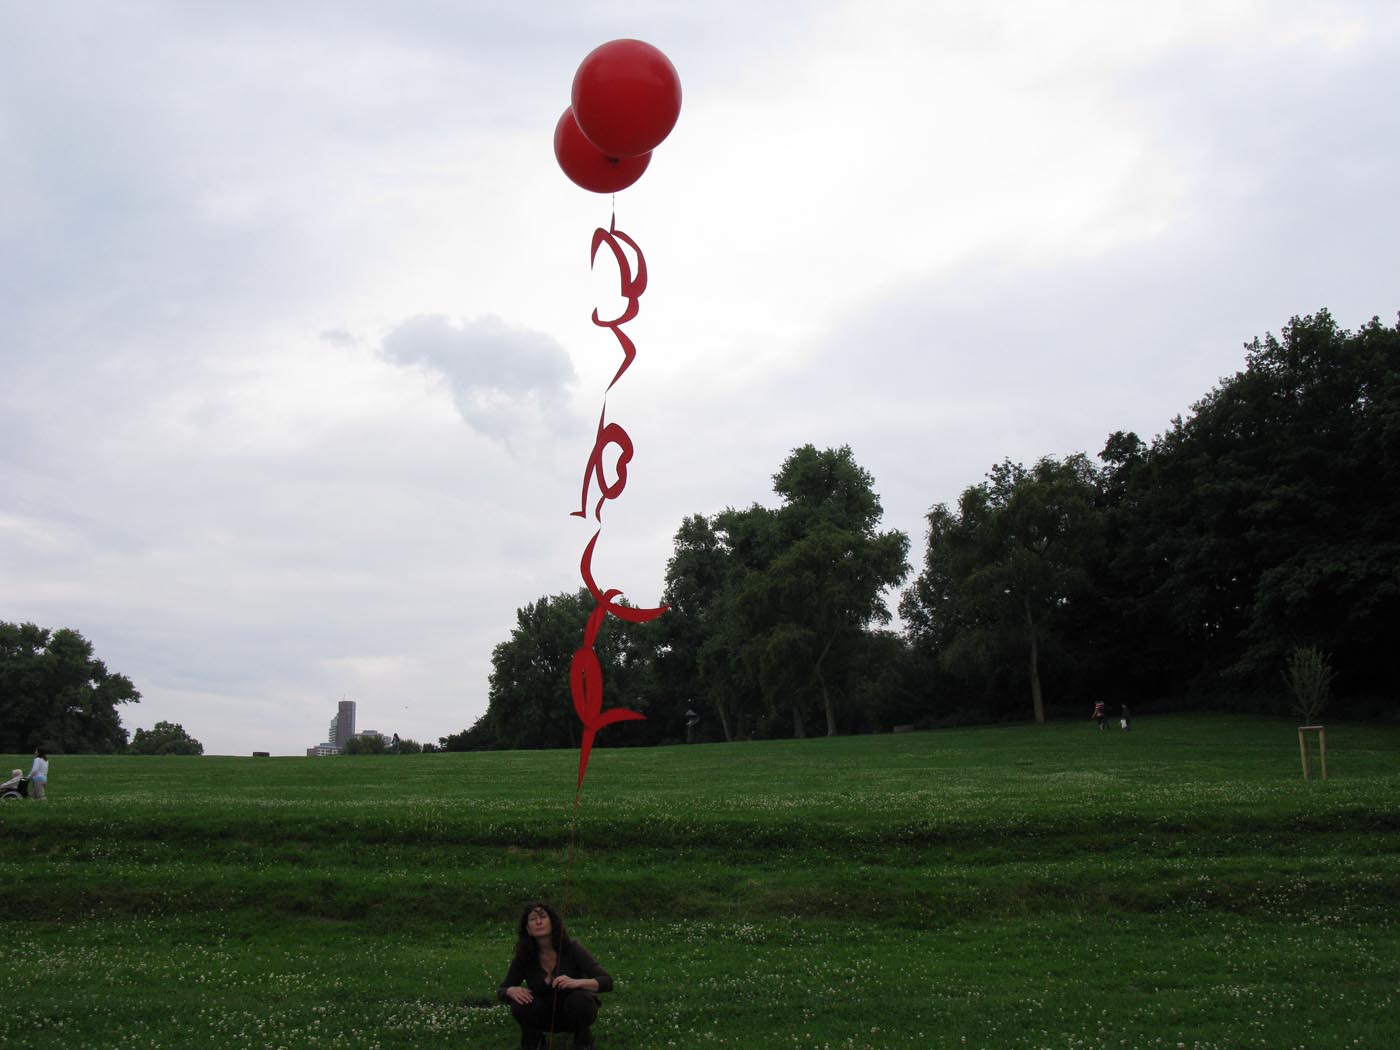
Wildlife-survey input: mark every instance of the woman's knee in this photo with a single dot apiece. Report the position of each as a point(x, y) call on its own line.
point(580, 1007)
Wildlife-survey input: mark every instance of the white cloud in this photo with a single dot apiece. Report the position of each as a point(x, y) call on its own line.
point(502, 378)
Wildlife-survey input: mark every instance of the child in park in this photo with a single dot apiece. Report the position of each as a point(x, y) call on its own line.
point(39, 774)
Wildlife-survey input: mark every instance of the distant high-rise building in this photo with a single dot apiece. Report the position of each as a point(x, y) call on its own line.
point(342, 725)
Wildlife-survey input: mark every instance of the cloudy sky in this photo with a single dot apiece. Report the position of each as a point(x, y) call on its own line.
point(297, 379)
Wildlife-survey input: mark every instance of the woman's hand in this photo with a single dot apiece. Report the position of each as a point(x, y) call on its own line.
point(564, 983)
point(520, 995)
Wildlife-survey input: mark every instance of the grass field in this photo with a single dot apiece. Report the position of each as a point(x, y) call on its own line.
point(1179, 886)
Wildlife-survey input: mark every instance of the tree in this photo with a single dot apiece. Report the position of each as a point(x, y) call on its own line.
point(1309, 678)
point(529, 704)
point(695, 575)
point(54, 693)
point(774, 604)
point(165, 738)
point(477, 737)
point(1005, 568)
point(731, 651)
point(829, 578)
point(365, 745)
point(1268, 514)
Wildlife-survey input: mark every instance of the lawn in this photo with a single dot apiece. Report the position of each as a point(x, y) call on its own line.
point(1022, 886)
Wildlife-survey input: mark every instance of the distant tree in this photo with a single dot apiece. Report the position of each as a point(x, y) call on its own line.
point(830, 575)
point(1001, 571)
point(55, 693)
point(1267, 514)
point(164, 738)
point(529, 704)
point(410, 747)
point(365, 745)
point(772, 606)
point(1309, 678)
point(429, 747)
point(475, 738)
point(694, 576)
point(732, 658)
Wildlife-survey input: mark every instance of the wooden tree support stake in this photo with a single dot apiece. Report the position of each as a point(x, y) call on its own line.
point(1321, 744)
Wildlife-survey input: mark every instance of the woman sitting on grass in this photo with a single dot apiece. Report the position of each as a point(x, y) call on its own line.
point(561, 981)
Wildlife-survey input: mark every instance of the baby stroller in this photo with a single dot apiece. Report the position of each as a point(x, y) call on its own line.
point(15, 788)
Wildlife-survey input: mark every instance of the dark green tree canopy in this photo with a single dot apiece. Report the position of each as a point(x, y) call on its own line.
point(54, 693)
point(365, 745)
point(164, 738)
point(778, 602)
point(1184, 570)
point(1002, 571)
point(1267, 518)
point(1191, 566)
point(529, 704)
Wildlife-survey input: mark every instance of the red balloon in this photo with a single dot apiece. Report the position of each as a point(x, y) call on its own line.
point(626, 97)
point(589, 168)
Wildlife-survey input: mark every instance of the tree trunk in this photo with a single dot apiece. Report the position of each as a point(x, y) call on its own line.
point(798, 729)
point(828, 705)
point(1036, 700)
point(724, 724)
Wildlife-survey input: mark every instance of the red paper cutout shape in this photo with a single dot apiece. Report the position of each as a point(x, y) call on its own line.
point(585, 671)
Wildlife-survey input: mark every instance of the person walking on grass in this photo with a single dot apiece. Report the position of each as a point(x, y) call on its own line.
point(39, 774)
point(1099, 714)
point(1125, 720)
point(553, 982)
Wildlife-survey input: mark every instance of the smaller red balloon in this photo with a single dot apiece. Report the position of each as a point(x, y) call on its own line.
point(587, 166)
point(626, 97)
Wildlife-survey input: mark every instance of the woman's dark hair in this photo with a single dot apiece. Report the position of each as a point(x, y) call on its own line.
point(525, 944)
point(42, 753)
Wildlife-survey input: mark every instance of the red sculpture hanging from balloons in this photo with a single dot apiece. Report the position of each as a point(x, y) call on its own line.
point(626, 98)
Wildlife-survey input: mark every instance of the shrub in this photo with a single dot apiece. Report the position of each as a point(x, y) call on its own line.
point(1309, 678)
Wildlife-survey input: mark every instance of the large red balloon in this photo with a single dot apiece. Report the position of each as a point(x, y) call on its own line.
point(626, 97)
point(589, 168)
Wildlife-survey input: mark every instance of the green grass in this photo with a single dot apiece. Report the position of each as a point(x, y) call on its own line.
point(999, 887)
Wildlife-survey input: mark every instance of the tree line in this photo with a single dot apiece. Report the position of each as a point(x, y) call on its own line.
point(55, 694)
point(1180, 571)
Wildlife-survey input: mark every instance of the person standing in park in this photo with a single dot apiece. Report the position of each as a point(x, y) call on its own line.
point(1125, 720)
point(553, 982)
point(1099, 714)
point(39, 774)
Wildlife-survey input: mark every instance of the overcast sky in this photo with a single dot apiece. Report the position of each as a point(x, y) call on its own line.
point(297, 379)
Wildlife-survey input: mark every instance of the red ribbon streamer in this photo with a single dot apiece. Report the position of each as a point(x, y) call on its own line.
point(586, 673)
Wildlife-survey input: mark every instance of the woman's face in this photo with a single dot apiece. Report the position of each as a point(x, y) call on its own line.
point(537, 922)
